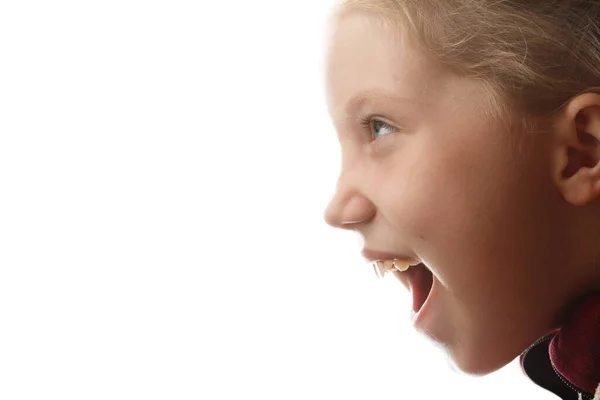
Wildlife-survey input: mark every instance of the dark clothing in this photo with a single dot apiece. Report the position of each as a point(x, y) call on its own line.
point(567, 362)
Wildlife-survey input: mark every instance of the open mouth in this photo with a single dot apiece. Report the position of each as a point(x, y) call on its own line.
point(420, 282)
point(414, 275)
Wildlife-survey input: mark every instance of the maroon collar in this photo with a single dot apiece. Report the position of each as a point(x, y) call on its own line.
point(567, 362)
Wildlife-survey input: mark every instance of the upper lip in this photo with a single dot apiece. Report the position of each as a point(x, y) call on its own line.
point(374, 255)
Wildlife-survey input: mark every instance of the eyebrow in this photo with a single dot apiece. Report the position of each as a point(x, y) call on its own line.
point(361, 100)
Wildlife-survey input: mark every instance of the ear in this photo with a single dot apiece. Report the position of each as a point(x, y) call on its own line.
point(577, 150)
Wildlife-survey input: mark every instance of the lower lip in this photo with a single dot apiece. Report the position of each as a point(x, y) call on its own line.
point(420, 317)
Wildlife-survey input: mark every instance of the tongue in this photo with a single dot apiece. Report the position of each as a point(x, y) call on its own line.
point(420, 280)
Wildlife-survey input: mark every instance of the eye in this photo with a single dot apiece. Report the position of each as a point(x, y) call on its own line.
point(377, 128)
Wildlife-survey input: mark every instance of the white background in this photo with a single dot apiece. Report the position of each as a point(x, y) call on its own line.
point(164, 166)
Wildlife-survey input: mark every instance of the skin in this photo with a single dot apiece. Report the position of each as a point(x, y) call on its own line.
point(508, 227)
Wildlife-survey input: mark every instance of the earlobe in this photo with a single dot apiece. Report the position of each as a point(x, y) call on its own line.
point(583, 187)
point(577, 151)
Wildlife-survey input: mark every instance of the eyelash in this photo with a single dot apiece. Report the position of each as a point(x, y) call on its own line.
point(367, 123)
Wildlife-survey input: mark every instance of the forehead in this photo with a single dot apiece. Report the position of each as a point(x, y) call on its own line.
point(367, 59)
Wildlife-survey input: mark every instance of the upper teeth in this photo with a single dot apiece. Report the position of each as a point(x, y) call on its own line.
point(382, 267)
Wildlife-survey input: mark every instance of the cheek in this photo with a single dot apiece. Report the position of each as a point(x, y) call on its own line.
point(430, 194)
point(451, 210)
point(446, 200)
point(404, 192)
point(419, 201)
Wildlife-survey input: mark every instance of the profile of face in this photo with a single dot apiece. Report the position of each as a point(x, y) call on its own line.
point(427, 173)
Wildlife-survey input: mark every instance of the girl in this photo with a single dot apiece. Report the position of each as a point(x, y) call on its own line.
point(470, 138)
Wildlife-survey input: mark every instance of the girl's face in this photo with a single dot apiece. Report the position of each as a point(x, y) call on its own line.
point(432, 177)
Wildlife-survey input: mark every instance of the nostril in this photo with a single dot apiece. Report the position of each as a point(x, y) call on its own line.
point(356, 210)
point(346, 213)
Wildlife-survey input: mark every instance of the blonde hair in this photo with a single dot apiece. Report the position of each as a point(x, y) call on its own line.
point(531, 55)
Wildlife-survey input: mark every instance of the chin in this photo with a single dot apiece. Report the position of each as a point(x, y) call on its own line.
point(478, 362)
point(468, 358)
point(478, 368)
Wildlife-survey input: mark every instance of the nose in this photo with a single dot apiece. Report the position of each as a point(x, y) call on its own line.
point(348, 208)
